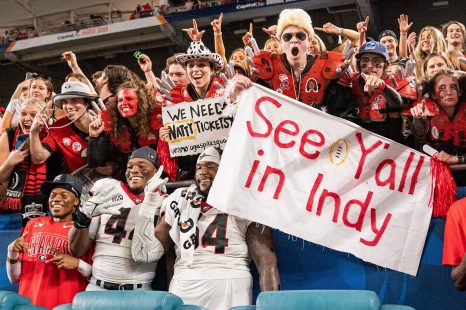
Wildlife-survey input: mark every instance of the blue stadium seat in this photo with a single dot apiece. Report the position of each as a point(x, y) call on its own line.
point(320, 300)
point(14, 301)
point(123, 300)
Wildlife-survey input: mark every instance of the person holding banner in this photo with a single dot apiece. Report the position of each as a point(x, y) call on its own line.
point(375, 99)
point(291, 73)
point(442, 124)
point(212, 247)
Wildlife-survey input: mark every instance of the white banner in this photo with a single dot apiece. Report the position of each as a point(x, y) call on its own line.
point(326, 180)
point(195, 126)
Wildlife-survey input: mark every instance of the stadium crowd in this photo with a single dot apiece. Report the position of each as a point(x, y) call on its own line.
point(87, 167)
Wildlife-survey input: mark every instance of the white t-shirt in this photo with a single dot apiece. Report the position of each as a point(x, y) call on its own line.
point(14, 107)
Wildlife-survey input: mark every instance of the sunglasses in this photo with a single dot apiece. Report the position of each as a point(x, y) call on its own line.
point(33, 75)
point(376, 61)
point(301, 36)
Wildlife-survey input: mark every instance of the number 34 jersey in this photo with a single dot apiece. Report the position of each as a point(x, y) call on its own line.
point(220, 248)
point(113, 234)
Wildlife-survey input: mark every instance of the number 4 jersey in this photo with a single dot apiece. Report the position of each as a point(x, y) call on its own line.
point(219, 241)
point(113, 234)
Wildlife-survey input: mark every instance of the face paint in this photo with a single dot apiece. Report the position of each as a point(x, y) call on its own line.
point(127, 102)
point(446, 91)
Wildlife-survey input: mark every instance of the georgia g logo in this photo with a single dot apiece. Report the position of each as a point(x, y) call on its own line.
point(42, 257)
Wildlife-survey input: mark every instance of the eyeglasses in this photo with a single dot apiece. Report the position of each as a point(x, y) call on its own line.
point(33, 75)
point(376, 61)
point(301, 36)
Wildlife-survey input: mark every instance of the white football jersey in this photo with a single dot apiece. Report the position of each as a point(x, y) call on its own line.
point(113, 234)
point(220, 245)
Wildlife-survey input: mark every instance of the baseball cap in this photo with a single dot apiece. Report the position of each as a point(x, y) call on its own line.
point(65, 181)
point(387, 33)
point(73, 89)
point(373, 47)
point(146, 153)
point(210, 154)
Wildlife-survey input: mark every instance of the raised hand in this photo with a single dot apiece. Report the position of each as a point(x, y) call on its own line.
point(411, 41)
point(217, 24)
point(156, 184)
point(271, 30)
point(97, 125)
point(372, 83)
point(403, 22)
point(145, 63)
point(70, 58)
point(421, 111)
point(153, 197)
point(329, 28)
point(194, 33)
point(248, 36)
point(19, 245)
point(362, 26)
point(102, 204)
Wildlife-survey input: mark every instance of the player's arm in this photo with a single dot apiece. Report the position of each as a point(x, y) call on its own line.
point(39, 154)
point(260, 244)
point(458, 275)
point(79, 241)
point(145, 247)
point(13, 262)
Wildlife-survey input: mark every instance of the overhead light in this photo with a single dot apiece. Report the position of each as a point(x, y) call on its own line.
point(240, 31)
point(257, 20)
point(437, 4)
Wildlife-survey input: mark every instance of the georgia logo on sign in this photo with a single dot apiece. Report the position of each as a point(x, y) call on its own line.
point(338, 153)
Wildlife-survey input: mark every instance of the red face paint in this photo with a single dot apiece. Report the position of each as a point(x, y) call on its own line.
point(127, 102)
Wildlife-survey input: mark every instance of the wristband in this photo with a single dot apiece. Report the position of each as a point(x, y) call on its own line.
point(80, 220)
point(12, 260)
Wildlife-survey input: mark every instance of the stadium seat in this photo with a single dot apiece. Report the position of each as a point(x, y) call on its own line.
point(321, 300)
point(14, 301)
point(123, 300)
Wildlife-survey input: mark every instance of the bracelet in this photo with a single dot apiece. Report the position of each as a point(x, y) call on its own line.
point(13, 261)
point(404, 33)
point(340, 32)
point(148, 71)
point(218, 33)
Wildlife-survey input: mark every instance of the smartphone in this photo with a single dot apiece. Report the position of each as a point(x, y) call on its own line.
point(29, 75)
point(20, 139)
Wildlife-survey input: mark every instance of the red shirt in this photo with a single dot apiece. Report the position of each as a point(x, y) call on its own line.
point(70, 142)
point(45, 284)
point(454, 246)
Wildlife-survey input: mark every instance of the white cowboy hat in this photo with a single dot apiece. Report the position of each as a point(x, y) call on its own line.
point(73, 89)
point(197, 50)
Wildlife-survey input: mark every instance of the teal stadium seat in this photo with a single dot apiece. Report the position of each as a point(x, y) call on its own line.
point(13, 301)
point(124, 300)
point(320, 300)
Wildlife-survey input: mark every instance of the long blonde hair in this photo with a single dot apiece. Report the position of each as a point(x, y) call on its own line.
point(439, 45)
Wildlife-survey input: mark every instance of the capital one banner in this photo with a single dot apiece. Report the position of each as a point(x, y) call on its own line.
point(195, 126)
point(326, 180)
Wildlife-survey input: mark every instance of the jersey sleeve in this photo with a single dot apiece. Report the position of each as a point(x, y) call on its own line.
point(50, 144)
